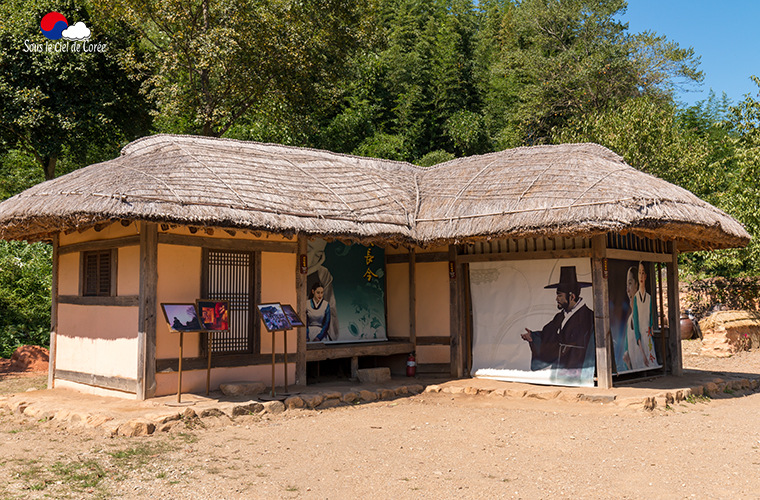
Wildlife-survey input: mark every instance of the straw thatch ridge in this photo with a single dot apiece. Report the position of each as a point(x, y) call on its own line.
point(569, 189)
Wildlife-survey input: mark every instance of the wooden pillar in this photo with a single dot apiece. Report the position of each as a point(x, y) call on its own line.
point(465, 344)
point(602, 332)
point(456, 331)
point(146, 330)
point(674, 317)
point(301, 293)
point(53, 315)
point(413, 297)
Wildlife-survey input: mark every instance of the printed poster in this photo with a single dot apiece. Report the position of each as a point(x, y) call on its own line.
point(633, 315)
point(533, 321)
point(346, 292)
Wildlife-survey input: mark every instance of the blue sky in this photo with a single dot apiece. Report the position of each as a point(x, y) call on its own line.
point(726, 34)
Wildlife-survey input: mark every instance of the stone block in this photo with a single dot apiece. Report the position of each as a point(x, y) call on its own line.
point(242, 388)
point(415, 389)
point(294, 402)
point(374, 375)
point(386, 394)
point(515, 393)
point(313, 400)
point(212, 412)
point(597, 398)
point(168, 418)
point(350, 397)
point(544, 395)
point(249, 409)
point(136, 427)
point(329, 403)
point(367, 396)
point(274, 407)
point(401, 391)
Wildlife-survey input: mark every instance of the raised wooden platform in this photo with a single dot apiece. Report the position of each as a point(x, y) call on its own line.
point(321, 352)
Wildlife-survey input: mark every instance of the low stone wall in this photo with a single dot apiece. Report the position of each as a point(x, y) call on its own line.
point(728, 332)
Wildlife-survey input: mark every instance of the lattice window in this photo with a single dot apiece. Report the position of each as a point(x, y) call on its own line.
point(230, 276)
point(99, 273)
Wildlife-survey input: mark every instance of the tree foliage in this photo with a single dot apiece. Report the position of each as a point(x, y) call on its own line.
point(60, 103)
point(211, 61)
point(25, 272)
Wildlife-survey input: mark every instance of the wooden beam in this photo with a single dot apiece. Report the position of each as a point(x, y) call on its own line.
point(602, 332)
point(433, 340)
point(171, 365)
point(228, 244)
point(613, 253)
point(86, 246)
point(53, 314)
point(146, 329)
point(321, 352)
point(541, 254)
point(302, 294)
point(412, 297)
point(421, 257)
point(674, 316)
point(118, 301)
point(114, 383)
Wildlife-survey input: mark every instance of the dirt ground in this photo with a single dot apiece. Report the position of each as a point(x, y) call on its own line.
point(424, 446)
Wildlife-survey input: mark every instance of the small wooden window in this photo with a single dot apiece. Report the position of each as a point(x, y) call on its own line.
point(98, 273)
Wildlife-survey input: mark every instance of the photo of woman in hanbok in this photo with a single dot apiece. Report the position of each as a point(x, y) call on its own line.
point(634, 355)
point(644, 316)
point(317, 315)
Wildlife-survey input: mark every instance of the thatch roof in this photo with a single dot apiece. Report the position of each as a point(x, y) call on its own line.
point(570, 189)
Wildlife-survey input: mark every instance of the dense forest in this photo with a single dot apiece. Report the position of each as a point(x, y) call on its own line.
point(416, 80)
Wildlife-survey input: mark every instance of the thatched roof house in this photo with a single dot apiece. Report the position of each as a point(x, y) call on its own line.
point(178, 219)
point(562, 190)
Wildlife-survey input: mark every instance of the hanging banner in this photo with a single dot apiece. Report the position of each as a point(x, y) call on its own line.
point(633, 315)
point(532, 321)
point(346, 292)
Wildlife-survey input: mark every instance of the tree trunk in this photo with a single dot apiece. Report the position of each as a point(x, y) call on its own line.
point(49, 167)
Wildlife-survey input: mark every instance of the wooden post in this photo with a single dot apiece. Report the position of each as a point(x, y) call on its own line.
point(674, 317)
point(285, 353)
point(301, 293)
point(273, 364)
point(413, 297)
point(146, 329)
point(53, 315)
point(209, 340)
point(179, 371)
point(455, 349)
point(602, 334)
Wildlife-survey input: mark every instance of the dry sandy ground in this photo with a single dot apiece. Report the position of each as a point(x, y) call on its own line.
point(426, 446)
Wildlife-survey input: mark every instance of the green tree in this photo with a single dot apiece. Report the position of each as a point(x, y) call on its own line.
point(417, 76)
point(559, 60)
point(60, 103)
point(210, 62)
point(25, 272)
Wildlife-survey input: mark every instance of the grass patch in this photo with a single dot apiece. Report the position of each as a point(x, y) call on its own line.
point(139, 455)
point(80, 475)
point(694, 398)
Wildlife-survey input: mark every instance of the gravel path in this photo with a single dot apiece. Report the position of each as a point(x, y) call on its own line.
point(426, 446)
